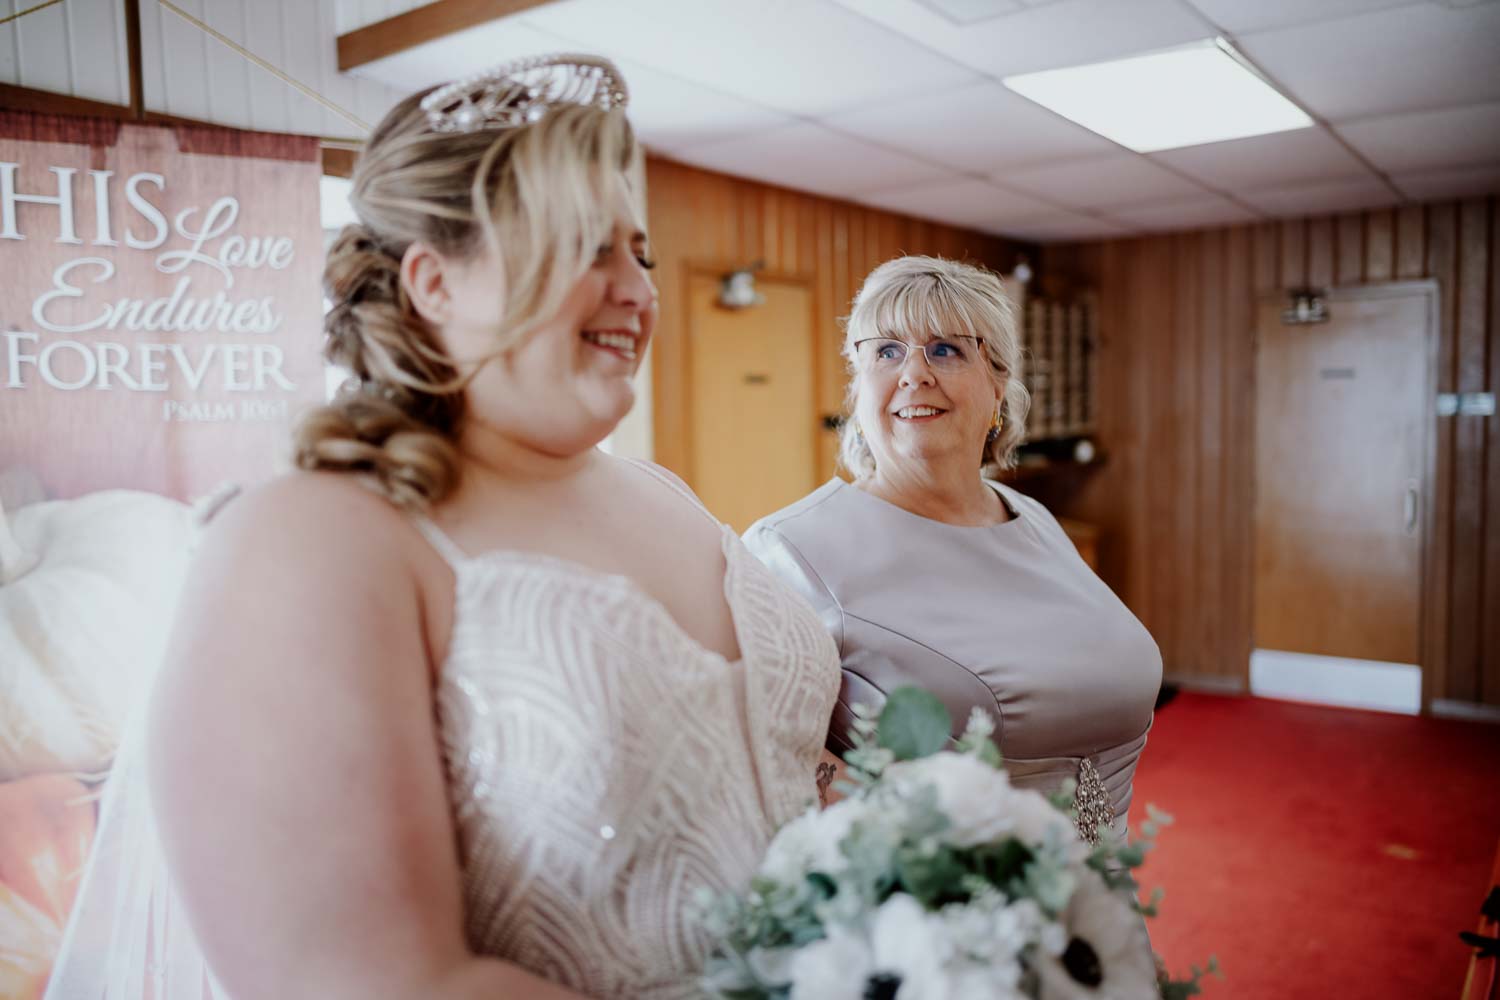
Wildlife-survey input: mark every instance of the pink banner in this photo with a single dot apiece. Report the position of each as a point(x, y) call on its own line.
point(160, 312)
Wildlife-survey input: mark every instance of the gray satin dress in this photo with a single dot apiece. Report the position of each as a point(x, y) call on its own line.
point(1006, 617)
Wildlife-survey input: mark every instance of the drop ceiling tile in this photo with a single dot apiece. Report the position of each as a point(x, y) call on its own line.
point(668, 112)
point(973, 11)
point(1259, 15)
point(1428, 140)
point(1186, 214)
point(1321, 198)
point(798, 57)
point(1408, 58)
point(979, 128)
point(1057, 227)
point(1305, 154)
point(958, 201)
point(809, 157)
point(1462, 182)
point(1044, 37)
point(1100, 182)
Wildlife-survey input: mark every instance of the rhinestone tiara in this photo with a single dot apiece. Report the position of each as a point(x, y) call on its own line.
point(522, 91)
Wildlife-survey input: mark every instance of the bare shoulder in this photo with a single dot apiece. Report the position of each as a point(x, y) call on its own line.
point(290, 567)
point(311, 513)
point(297, 696)
point(662, 472)
point(670, 503)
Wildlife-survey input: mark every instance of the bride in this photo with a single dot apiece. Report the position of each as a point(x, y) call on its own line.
point(467, 707)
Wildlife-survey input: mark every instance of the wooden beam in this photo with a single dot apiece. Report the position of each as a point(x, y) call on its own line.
point(133, 57)
point(338, 154)
point(14, 98)
point(338, 162)
point(422, 25)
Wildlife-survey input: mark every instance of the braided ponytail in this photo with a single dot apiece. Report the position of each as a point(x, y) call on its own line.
point(384, 421)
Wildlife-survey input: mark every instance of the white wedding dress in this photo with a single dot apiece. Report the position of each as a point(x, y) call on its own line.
point(602, 768)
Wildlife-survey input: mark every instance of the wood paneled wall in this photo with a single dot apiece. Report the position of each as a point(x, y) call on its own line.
point(713, 220)
point(80, 49)
point(73, 48)
point(1176, 361)
point(189, 74)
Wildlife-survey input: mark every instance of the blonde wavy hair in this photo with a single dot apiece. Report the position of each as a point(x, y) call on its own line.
point(540, 197)
point(916, 298)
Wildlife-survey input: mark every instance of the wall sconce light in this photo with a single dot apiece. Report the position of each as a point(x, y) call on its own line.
point(1307, 306)
point(737, 288)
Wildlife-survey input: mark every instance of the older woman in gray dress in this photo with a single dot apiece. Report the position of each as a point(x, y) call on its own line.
point(925, 572)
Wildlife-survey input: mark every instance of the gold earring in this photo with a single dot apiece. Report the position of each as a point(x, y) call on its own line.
point(995, 428)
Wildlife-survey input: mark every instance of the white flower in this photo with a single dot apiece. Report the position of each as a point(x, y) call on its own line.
point(1108, 939)
point(1018, 925)
point(832, 826)
point(972, 794)
point(973, 931)
point(834, 968)
point(771, 965)
point(993, 981)
point(1050, 880)
point(981, 724)
point(908, 941)
point(789, 856)
point(1054, 938)
point(811, 843)
point(1035, 820)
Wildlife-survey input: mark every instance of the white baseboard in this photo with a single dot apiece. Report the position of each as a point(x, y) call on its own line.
point(1335, 680)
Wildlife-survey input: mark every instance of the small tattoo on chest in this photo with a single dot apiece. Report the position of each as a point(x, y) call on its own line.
point(826, 772)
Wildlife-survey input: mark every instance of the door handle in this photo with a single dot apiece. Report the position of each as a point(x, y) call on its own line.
point(1410, 505)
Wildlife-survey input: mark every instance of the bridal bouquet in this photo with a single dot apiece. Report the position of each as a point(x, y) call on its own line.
point(934, 878)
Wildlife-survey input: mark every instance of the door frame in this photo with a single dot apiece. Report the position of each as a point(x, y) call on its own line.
point(1432, 611)
point(672, 376)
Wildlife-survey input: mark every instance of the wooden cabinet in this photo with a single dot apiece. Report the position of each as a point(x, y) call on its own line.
point(1086, 537)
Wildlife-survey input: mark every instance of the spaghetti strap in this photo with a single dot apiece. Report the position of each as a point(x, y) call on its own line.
point(451, 553)
point(677, 486)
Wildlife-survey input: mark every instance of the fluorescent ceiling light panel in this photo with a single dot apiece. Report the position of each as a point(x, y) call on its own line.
point(1181, 97)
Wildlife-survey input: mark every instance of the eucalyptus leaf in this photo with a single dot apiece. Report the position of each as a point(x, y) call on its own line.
point(914, 724)
point(934, 879)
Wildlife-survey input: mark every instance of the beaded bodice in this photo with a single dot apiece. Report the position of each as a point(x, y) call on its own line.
point(603, 766)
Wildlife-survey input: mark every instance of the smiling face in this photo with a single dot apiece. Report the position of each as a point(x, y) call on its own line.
point(563, 388)
point(914, 414)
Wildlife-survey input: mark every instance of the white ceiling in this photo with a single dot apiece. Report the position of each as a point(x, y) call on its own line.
point(898, 104)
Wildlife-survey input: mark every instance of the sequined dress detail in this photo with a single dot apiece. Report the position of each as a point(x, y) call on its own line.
point(603, 766)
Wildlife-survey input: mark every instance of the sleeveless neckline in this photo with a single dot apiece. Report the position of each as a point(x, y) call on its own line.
point(729, 544)
point(604, 766)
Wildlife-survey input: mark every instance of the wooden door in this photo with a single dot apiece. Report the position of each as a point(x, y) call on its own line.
point(753, 408)
point(1343, 415)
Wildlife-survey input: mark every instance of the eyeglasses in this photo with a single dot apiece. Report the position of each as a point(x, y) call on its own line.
point(946, 354)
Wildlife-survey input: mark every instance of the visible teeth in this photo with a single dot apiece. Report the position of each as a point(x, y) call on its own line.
point(622, 342)
point(907, 412)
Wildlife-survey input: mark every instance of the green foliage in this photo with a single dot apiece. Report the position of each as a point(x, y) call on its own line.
point(895, 839)
point(931, 873)
point(914, 724)
point(1002, 863)
point(1181, 989)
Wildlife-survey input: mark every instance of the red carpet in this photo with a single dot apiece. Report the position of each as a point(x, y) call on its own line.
point(1319, 852)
